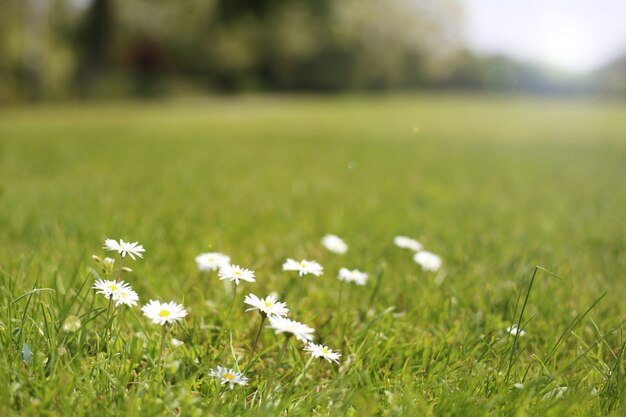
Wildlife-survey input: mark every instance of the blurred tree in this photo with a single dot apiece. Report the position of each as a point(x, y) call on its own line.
point(236, 9)
point(147, 46)
point(93, 43)
point(11, 42)
point(36, 55)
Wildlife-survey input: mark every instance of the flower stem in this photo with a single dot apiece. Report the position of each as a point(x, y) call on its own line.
point(159, 365)
point(288, 288)
point(119, 271)
point(282, 350)
point(108, 323)
point(223, 331)
point(345, 321)
point(304, 370)
point(339, 298)
point(232, 303)
point(317, 370)
point(256, 341)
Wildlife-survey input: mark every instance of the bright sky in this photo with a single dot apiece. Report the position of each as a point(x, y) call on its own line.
point(576, 35)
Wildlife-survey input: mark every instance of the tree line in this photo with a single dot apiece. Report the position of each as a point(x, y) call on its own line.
point(99, 48)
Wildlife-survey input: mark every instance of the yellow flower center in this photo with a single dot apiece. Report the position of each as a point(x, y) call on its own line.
point(325, 351)
point(164, 313)
point(267, 304)
point(122, 294)
point(229, 376)
point(112, 287)
point(237, 273)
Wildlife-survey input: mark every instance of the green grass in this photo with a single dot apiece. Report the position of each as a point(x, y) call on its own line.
point(495, 186)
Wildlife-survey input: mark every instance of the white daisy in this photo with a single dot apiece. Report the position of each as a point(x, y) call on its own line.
point(300, 331)
point(212, 261)
point(407, 243)
point(321, 351)
point(125, 296)
point(513, 330)
point(163, 313)
point(268, 306)
point(556, 393)
point(176, 343)
point(236, 273)
point(108, 264)
point(356, 276)
point(428, 260)
point(71, 324)
point(228, 376)
point(303, 267)
point(335, 244)
point(108, 288)
point(124, 248)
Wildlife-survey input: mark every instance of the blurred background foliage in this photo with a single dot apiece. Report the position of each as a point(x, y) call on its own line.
point(55, 49)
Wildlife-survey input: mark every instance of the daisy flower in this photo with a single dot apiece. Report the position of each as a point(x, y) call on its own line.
point(303, 267)
point(356, 276)
point(176, 343)
point(212, 261)
point(514, 331)
point(407, 243)
point(108, 264)
point(268, 306)
point(163, 313)
point(228, 376)
point(236, 273)
point(125, 296)
point(428, 260)
point(321, 351)
point(335, 244)
point(556, 393)
point(109, 288)
point(300, 331)
point(124, 248)
point(71, 324)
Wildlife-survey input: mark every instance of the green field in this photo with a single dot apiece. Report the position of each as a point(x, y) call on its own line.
point(494, 186)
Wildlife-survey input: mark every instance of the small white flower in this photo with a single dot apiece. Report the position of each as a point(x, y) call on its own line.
point(321, 351)
point(228, 376)
point(557, 393)
point(303, 267)
point(236, 273)
point(163, 313)
point(212, 261)
point(513, 330)
point(300, 331)
point(125, 296)
point(428, 260)
point(335, 244)
point(269, 305)
point(120, 292)
point(71, 324)
point(407, 243)
point(124, 248)
point(518, 385)
point(356, 276)
point(108, 263)
point(176, 343)
point(109, 287)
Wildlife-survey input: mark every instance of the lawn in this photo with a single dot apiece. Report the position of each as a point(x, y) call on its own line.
point(495, 186)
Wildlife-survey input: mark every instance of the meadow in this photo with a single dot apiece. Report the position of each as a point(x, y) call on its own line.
point(523, 199)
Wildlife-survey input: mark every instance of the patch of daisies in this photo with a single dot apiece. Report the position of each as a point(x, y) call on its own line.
point(273, 313)
point(427, 260)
